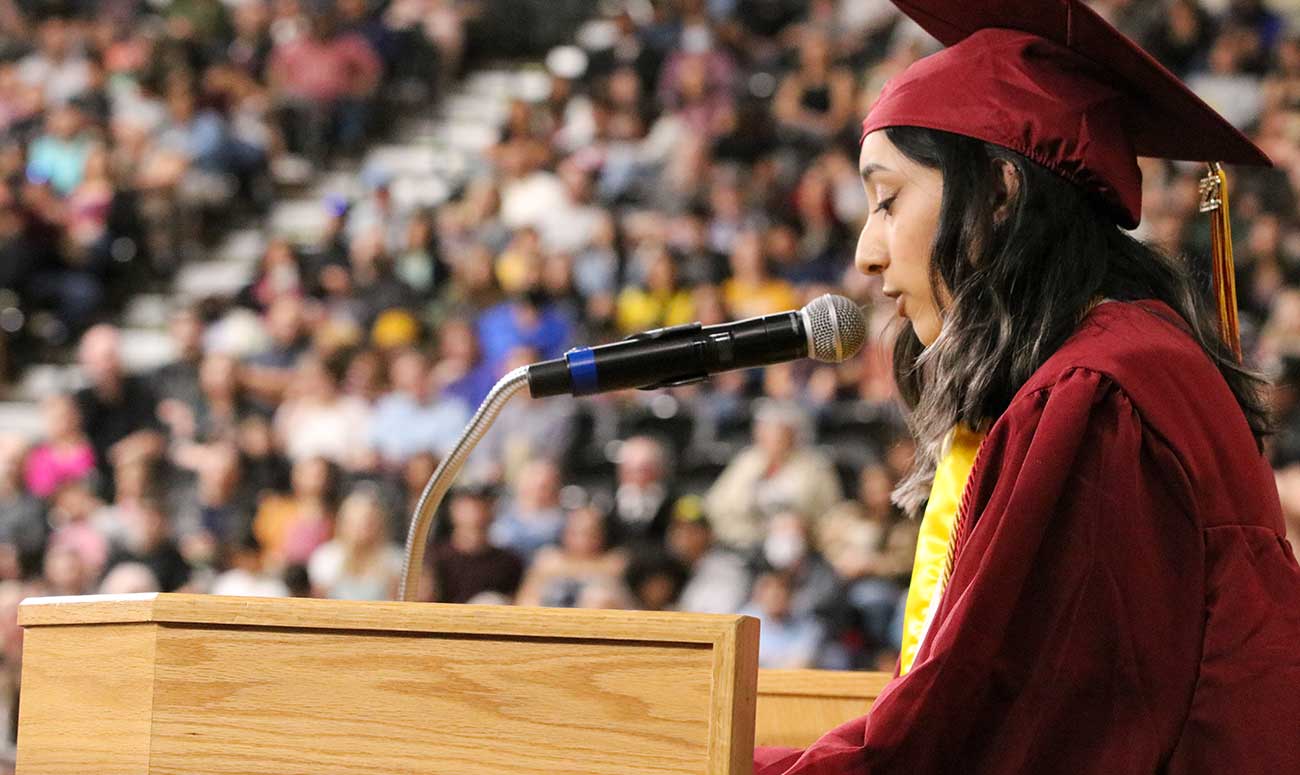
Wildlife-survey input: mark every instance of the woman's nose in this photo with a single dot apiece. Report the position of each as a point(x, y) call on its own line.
point(872, 264)
point(870, 257)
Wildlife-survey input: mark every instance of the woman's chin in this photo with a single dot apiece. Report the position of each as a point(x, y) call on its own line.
point(925, 333)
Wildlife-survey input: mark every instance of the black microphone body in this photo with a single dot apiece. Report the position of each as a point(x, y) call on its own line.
point(672, 356)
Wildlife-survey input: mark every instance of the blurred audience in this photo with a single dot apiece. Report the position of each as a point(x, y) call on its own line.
point(148, 541)
point(718, 579)
point(117, 409)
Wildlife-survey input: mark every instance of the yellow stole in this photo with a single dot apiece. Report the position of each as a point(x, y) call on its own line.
point(934, 541)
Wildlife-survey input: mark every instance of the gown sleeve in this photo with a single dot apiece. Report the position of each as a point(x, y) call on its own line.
point(1068, 637)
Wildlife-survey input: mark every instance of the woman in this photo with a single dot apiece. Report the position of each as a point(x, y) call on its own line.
point(279, 274)
point(319, 419)
point(360, 563)
point(660, 303)
point(1102, 583)
point(290, 527)
point(815, 101)
point(66, 454)
point(559, 574)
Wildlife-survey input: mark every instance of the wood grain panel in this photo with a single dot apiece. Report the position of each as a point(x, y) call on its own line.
point(796, 707)
point(823, 683)
point(259, 702)
point(86, 704)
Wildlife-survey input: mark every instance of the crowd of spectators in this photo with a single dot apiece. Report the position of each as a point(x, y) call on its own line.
point(131, 135)
point(691, 160)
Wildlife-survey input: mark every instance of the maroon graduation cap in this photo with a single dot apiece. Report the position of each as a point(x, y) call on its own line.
point(1052, 80)
point(1055, 82)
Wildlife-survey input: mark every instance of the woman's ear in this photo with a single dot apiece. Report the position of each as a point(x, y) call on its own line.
point(1006, 181)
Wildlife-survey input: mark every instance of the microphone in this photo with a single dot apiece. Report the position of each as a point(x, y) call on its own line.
point(829, 329)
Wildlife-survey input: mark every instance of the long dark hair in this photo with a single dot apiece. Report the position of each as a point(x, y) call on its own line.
point(1018, 285)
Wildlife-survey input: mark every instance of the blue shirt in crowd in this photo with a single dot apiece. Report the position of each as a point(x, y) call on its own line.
point(500, 331)
point(402, 427)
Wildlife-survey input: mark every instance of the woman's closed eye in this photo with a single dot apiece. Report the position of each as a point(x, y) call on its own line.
point(885, 203)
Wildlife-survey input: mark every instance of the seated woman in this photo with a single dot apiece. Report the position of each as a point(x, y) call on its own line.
point(815, 101)
point(66, 454)
point(291, 526)
point(360, 562)
point(662, 302)
point(559, 574)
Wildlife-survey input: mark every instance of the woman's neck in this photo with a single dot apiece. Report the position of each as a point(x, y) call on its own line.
point(67, 441)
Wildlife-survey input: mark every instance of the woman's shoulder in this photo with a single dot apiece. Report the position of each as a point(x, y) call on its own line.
point(325, 560)
point(548, 559)
point(1141, 355)
point(1142, 348)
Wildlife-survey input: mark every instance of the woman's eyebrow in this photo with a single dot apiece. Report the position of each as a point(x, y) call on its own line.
point(871, 169)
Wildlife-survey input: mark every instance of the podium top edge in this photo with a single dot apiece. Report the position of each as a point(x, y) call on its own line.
point(823, 683)
point(378, 616)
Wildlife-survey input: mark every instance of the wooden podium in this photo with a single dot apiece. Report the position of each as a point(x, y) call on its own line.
point(164, 684)
point(796, 707)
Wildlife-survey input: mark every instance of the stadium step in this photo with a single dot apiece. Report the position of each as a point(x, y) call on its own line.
point(145, 349)
point(22, 418)
point(147, 310)
point(201, 279)
point(299, 220)
point(471, 137)
point(474, 107)
point(244, 246)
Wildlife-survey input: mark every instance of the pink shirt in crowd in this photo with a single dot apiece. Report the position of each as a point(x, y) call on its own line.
point(325, 71)
point(48, 468)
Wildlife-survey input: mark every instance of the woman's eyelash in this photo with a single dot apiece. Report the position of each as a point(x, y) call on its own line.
point(885, 203)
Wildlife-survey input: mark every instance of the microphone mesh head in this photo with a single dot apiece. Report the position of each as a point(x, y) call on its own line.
point(836, 328)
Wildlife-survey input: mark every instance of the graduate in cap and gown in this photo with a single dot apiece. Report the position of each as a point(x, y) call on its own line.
point(1102, 581)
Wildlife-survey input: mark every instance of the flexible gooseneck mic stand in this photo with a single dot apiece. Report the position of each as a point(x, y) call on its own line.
point(427, 507)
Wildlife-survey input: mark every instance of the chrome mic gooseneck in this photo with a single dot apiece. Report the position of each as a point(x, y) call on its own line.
point(431, 498)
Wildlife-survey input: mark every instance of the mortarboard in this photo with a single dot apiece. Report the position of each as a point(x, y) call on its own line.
point(1053, 81)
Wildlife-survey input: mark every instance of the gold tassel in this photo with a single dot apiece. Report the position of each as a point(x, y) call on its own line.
point(1214, 200)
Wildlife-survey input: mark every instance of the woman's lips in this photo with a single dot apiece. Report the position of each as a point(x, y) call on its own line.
point(900, 307)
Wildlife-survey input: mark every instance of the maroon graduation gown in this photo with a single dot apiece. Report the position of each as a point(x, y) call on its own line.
point(1125, 600)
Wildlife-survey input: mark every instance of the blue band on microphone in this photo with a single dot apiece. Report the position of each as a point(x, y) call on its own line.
point(582, 370)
